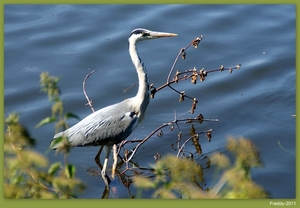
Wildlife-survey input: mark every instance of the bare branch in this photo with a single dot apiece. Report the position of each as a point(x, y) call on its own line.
point(89, 102)
point(195, 43)
point(199, 119)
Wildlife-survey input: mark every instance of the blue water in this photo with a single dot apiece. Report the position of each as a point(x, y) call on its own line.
point(256, 102)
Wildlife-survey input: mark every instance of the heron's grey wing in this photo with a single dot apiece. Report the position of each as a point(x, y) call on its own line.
point(106, 126)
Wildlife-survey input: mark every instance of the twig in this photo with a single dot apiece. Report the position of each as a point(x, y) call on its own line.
point(195, 43)
point(128, 88)
point(190, 74)
point(195, 136)
point(180, 149)
point(199, 118)
point(284, 148)
point(89, 102)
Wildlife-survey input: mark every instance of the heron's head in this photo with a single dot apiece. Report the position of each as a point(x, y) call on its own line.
point(140, 34)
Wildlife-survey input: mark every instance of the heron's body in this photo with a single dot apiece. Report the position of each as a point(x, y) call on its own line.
point(103, 127)
point(113, 124)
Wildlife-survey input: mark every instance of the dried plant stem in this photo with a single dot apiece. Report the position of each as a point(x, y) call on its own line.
point(89, 102)
point(176, 121)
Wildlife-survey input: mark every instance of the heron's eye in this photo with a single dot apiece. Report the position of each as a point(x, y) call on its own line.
point(144, 34)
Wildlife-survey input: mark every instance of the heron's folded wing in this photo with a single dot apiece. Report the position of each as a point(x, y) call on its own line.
point(109, 125)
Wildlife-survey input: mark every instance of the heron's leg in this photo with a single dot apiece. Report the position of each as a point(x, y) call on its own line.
point(97, 158)
point(115, 156)
point(108, 150)
point(103, 169)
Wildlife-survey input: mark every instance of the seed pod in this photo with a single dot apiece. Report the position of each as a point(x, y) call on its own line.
point(181, 96)
point(202, 74)
point(176, 77)
point(194, 105)
point(179, 136)
point(160, 133)
point(183, 55)
point(200, 118)
point(194, 78)
point(208, 135)
point(152, 91)
point(221, 68)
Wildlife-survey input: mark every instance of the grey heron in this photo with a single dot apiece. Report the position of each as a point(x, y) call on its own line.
point(113, 124)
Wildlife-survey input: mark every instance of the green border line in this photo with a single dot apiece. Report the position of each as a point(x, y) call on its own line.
point(149, 202)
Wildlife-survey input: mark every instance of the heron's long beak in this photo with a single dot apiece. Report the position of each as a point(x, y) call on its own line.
point(154, 34)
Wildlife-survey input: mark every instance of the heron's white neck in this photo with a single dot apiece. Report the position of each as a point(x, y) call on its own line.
point(143, 94)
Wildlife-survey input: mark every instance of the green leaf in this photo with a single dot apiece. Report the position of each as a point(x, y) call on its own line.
point(53, 168)
point(17, 180)
point(70, 171)
point(71, 115)
point(45, 121)
point(56, 141)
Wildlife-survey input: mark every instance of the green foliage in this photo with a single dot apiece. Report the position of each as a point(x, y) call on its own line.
point(45, 121)
point(18, 134)
point(238, 177)
point(49, 85)
point(27, 173)
point(174, 177)
point(183, 178)
point(247, 156)
point(25, 170)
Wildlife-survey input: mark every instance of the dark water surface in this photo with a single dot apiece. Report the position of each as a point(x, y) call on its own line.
point(256, 102)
